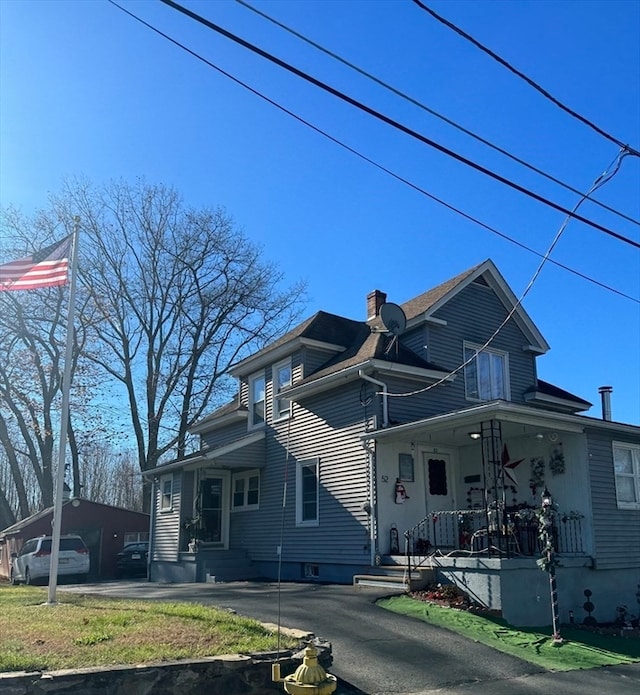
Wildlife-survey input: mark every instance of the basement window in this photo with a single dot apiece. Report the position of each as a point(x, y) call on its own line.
point(310, 571)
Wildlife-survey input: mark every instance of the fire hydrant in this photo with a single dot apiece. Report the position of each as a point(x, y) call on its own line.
point(309, 678)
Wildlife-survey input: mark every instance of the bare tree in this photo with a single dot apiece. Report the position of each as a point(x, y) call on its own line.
point(182, 295)
point(33, 327)
point(170, 298)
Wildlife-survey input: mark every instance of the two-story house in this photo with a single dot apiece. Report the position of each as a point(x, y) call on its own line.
point(420, 437)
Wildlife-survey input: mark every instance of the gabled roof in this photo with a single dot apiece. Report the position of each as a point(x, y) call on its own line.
point(322, 330)
point(356, 347)
point(424, 306)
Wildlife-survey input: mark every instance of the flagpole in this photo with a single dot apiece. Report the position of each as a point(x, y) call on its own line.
point(64, 423)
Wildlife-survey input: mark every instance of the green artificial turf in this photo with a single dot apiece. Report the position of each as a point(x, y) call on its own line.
point(579, 649)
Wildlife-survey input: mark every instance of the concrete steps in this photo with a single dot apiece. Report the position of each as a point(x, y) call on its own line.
point(395, 576)
point(230, 566)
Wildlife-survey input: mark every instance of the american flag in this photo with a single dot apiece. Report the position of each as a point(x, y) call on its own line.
point(46, 268)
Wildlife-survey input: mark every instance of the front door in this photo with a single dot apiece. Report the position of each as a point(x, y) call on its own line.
point(213, 510)
point(439, 494)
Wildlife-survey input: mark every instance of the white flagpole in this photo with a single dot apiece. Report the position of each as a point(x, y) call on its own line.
point(64, 421)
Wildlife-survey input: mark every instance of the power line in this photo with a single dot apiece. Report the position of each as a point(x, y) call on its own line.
point(395, 124)
point(431, 111)
point(605, 177)
point(527, 79)
point(369, 160)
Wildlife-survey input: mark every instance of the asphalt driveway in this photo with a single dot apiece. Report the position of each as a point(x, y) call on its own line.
point(377, 652)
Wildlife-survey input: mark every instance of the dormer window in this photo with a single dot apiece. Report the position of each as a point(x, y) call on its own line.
point(486, 376)
point(281, 380)
point(256, 400)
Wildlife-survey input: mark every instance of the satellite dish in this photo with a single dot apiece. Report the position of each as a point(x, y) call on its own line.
point(393, 318)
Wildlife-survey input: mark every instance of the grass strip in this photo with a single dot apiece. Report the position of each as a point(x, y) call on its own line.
point(86, 631)
point(579, 650)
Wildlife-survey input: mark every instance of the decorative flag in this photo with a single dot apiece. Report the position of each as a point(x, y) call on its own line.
point(46, 268)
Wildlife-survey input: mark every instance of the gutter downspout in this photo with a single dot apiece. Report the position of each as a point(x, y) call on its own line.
point(152, 522)
point(383, 386)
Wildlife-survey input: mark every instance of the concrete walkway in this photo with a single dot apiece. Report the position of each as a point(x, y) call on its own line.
point(377, 652)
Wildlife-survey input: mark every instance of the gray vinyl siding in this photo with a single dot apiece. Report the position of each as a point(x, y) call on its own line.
point(616, 531)
point(225, 435)
point(167, 531)
point(473, 315)
point(313, 359)
point(326, 427)
point(403, 409)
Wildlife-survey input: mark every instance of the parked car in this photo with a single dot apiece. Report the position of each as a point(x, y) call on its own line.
point(33, 562)
point(132, 560)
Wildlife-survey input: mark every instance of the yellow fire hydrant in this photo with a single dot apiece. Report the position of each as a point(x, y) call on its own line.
point(309, 678)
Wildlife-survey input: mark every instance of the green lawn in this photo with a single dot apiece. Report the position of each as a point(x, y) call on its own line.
point(579, 649)
point(83, 631)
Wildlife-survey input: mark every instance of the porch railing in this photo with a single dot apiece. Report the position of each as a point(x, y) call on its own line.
point(470, 532)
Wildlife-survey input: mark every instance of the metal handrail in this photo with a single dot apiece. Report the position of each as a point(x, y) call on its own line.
point(507, 533)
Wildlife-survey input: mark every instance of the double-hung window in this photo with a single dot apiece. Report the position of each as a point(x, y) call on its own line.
point(166, 493)
point(257, 401)
point(246, 490)
point(307, 492)
point(486, 374)
point(281, 380)
point(626, 464)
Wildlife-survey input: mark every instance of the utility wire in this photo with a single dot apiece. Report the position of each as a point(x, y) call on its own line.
point(368, 160)
point(527, 79)
point(389, 121)
point(606, 176)
point(431, 111)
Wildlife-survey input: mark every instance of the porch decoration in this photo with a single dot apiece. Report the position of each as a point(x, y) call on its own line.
point(548, 561)
point(400, 492)
point(556, 462)
point(537, 474)
point(509, 466)
point(192, 527)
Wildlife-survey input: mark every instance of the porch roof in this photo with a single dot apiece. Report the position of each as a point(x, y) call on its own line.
point(516, 419)
point(452, 429)
point(246, 452)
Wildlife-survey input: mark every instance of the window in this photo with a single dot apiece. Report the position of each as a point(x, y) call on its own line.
point(166, 493)
point(281, 380)
point(486, 377)
point(307, 489)
point(246, 490)
point(626, 464)
point(256, 401)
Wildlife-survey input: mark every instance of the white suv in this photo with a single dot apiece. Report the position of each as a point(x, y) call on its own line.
point(33, 562)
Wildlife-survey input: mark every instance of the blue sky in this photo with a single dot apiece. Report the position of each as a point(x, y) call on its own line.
point(88, 91)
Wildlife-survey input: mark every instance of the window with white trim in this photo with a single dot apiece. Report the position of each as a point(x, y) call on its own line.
point(166, 493)
point(245, 490)
point(257, 401)
point(281, 380)
point(486, 377)
point(307, 492)
point(626, 465)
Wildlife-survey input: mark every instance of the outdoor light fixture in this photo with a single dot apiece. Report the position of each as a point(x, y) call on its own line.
point(539, 435)
point(475, 435)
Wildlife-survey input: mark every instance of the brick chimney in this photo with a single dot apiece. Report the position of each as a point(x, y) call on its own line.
point(375, 300)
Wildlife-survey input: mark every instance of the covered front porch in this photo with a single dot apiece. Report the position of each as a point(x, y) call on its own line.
point(460, 494)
